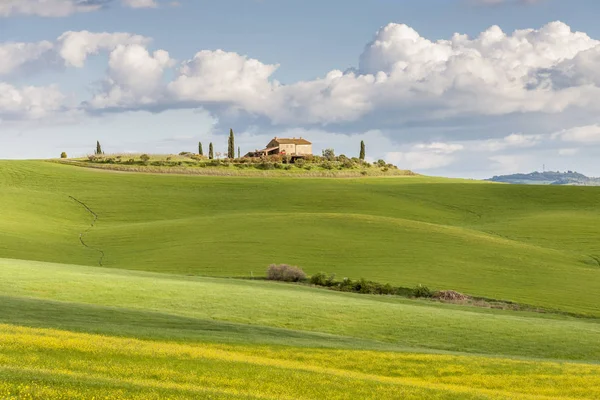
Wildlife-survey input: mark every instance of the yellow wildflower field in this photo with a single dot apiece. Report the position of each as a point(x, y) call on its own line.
point(45, 363)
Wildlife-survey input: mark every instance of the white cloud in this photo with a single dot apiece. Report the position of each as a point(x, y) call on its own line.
point(515, 140)
point(568, 152)
point(404, 77)
point(71, 49)
point(140, 3)
point(30, 102)
point(46, 8)
point(580, 134)
point(75, 47)
point(14, 56)
point(63, 8)
point(134, 77)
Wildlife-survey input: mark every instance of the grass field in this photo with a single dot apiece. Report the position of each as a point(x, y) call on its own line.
point(162, 318)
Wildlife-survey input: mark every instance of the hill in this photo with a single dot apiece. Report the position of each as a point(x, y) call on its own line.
point(548, 178)
point(90, 331)
point(127, 285)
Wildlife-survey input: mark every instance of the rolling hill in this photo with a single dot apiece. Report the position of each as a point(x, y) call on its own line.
point(101, 272)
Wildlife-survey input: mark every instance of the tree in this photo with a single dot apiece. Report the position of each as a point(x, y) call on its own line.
point(239, 152)
point(231, 145)
point(211, 151)
point(362, 150)
point(63, 155)
point(200, 151)
point(145, 158)
point(329, 154)
point(98, 149)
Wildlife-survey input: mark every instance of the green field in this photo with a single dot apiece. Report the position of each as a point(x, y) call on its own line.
point(157, 277)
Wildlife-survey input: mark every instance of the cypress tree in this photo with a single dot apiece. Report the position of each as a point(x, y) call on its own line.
point(231, 145)
point(98, 149)
point(239, 152)
point(211, 153)
point(362, 150)
point(200, 151)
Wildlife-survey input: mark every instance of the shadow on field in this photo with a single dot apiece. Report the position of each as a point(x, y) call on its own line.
point(131, 323)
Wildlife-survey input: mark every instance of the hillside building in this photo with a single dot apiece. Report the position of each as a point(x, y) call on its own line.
point(285, 146)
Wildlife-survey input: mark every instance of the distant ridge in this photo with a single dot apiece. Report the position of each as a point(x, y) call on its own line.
point(548, 178)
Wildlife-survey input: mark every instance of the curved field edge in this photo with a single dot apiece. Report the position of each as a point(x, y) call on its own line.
point(71, 364)
point(190, 304)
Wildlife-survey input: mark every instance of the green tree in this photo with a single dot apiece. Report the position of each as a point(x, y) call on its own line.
point(329, 154)
point(239, 152)
point(362, 150)
point(98, 149)
point(211, 151)
point(63, 155)
point(231, 145)
point(200, 151)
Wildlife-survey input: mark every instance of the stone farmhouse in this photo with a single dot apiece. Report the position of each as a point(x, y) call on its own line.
point(296, 148)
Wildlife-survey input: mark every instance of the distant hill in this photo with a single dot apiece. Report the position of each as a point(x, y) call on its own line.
point(548, 178)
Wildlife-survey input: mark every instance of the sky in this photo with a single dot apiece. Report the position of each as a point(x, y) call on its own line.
point(460, 88)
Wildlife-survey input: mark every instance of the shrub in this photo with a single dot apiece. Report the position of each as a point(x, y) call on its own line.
point(145, 158)
point(328, 165)
point(381, 163)
point(300, 162)
point(329, 154)
point(63, 155)
point(285, 273)
point(422, 291)
point(319, 279)
point(364, 173)
point(131, 161)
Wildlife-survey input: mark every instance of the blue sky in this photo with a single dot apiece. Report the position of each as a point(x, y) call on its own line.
point(144, 75)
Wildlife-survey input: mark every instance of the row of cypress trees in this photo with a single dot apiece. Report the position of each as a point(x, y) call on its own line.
point(230, 148)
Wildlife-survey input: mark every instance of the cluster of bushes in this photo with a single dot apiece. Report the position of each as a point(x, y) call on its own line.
point(328, 162)
point(361, 286)
point(288, 273)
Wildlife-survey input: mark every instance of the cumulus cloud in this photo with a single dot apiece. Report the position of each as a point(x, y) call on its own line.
point(134, 77)
point(30, 102)
point(71, 49)
point(580, 134)
point(402, 76)
point(63, 8)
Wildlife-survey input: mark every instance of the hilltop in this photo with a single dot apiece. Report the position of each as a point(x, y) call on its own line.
point(548, 178)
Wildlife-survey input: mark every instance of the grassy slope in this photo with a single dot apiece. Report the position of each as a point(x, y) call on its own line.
point(527, 244)
point(161, 306)
point(51, 317)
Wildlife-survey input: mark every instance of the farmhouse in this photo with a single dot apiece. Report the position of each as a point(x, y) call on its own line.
point(292, 147)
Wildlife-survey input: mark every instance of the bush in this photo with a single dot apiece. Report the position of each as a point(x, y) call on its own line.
point(145, 158)
point(422, 291)
point(329, 154)
point(131, 161)
point(285, 273)
point(300, 162)
point(63, 155)
point(328, 165)
point(319, 279)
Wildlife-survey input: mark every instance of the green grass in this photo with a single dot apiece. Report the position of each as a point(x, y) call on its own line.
point(532, 245)
point(258, 311)
point(160, 319)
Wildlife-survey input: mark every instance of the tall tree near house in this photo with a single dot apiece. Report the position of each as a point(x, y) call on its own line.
point(362, 150)
point(211, 152)
point(98, 149)
point(231, 146)
point(239, 152)
point(200, 151)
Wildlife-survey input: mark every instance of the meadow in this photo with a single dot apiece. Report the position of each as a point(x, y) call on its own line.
point(125, 285)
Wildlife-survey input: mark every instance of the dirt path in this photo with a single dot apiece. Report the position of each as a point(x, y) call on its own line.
point(82, 234)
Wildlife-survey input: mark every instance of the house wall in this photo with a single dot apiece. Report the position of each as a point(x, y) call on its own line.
point(304, 149)
point(287, 148)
